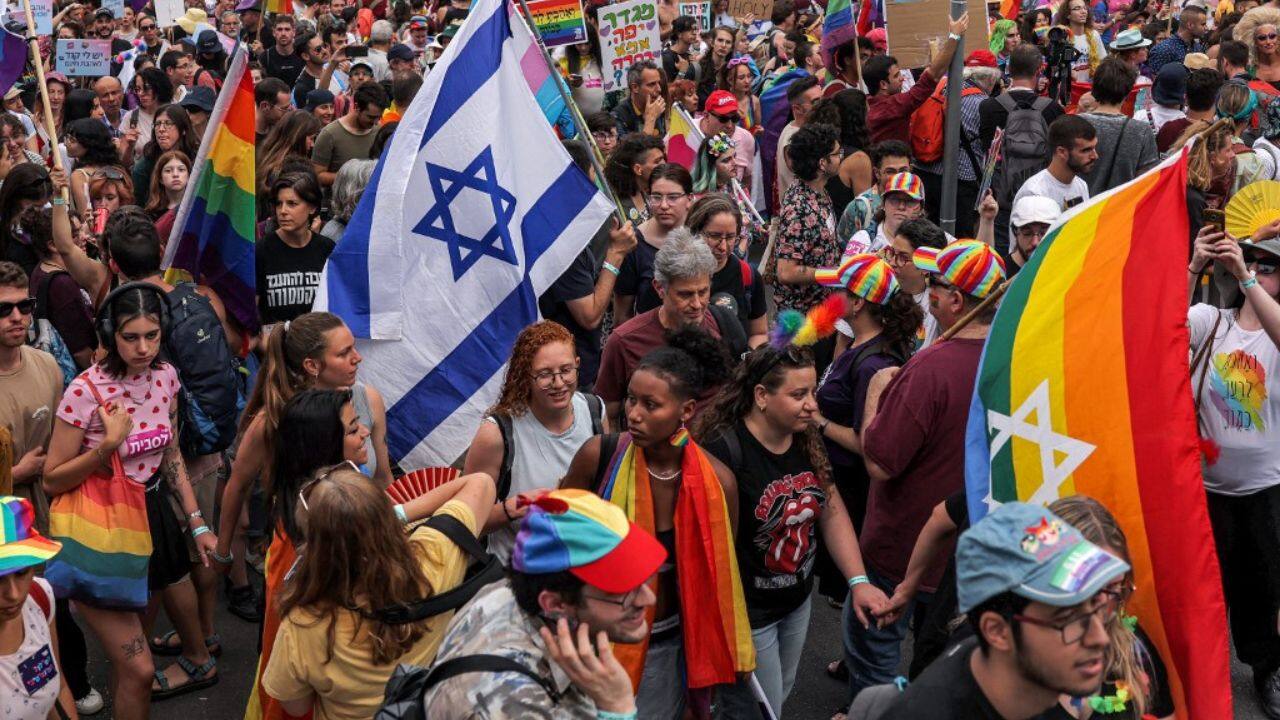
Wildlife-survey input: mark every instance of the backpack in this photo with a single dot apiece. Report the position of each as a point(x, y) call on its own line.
point(213, 389)
point(595, 407)
point(403, 698)
point(732, 334)
point(42, 335)
point(927, 122)
point(1025, 149)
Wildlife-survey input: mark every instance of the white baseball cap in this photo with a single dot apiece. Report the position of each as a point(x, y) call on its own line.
point(1034, 209)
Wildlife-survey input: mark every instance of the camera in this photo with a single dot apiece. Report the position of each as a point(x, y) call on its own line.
point(1060, 55)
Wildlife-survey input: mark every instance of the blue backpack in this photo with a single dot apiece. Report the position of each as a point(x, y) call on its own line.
point(213, 383)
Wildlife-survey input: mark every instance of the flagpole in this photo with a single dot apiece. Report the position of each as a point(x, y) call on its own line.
point(597, 159)
point(969, 316)
point(33, 41)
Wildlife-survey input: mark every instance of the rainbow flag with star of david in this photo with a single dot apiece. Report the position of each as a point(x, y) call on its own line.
point(1084, 388)
point(213, 234)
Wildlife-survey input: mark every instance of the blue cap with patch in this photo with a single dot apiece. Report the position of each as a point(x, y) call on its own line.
point(1027, 550)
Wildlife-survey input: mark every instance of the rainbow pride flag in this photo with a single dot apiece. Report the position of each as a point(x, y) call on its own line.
point(213, 235)
point(280, 6)
point(1084, 388)
point(683, 137)
point(838, 28)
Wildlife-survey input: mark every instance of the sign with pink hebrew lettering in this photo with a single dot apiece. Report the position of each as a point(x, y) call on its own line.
point(628, 35)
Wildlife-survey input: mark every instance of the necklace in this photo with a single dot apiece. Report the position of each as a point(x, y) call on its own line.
point(665, 478)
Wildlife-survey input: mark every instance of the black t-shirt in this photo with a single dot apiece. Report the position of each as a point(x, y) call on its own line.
point(578, 281)
point(727, 289)
point(285, 67)
point(1161, 704)
point(636, 272)
point(946, 691)
point(304, 85)
point(288, 277)
point(779, 503)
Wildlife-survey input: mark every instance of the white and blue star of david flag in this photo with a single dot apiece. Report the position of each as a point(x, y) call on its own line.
point(473, 211)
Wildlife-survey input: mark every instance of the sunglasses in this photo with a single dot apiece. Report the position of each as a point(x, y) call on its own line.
point(1268, 36)
point(25, 307)
point(145, 28)
point(732, 119)
point(1262, 268)
point(305, 490)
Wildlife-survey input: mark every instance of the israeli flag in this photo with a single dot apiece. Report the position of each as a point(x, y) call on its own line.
point(473, 210)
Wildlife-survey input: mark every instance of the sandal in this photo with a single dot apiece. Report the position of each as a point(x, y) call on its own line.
point(163, 644)
point(837, 670)
point(197, 678)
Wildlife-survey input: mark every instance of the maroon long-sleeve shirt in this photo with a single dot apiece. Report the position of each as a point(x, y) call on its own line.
point(889, 116)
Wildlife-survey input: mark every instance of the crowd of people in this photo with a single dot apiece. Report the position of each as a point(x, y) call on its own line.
point(746, 398)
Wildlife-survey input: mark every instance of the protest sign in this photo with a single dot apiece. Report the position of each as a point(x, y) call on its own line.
point(83, 58)
point(42, 10)
point(168, 12)
point(559, 22)
point(115, 6)
point(701, 11)
point(739, 9)
point(628, 35)
point(913, 23)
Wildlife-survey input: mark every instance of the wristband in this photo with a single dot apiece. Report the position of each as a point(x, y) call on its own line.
point(611, 268)
point(400, 514)
point(57, 200)
point(953, 36)
point(221, 559)
point(857, 580)
point(198, 531)
point(1248, 282)
point(606, 715)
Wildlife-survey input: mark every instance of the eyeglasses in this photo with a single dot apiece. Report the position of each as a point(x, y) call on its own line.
point(145, 28)
point(1031, 230)
point(305, 490)
point(731, 119)
point(659, 198)
point(605, 134)
point(720, 237)
point(1268, 36)
point(1074, 629)
point(938, 282)
point(896, 257)
point(1117, 593)
point(628, 600)
point(110, 173)
point(25, 307)
point(157, 125)
point(547, 378)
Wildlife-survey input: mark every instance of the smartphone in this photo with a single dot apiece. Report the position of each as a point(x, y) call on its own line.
point(1214, 217)
point(355, 51)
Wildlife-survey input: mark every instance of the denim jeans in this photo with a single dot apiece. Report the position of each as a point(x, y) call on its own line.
point(778, 647)
point(662, 685)
point(872, 654)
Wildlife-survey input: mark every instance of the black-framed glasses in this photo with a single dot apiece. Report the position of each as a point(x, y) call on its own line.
point(1075, 628)
point(1263, 268)
point(1031, 230)
point(547, 378)
point(305, 491)
point(145, 28)
point(25, 307)
point(720, 237)
point(1118, 593)
point(730, 119)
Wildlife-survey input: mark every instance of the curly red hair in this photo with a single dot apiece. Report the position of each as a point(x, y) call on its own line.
point(518, 384)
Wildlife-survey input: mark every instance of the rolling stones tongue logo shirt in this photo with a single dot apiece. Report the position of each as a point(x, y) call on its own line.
point(779, 502)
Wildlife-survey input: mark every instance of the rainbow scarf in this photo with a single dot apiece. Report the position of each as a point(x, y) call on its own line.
point(717, 635)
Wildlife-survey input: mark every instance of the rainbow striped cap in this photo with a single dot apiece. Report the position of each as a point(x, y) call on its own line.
point(577, 531)
point(21, 545)
point(905, 182)
point(864, 275)
point(971, 266)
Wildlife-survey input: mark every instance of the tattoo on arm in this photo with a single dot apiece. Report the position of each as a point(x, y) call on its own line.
point(133, 648)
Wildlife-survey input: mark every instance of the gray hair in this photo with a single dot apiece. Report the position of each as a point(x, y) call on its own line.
point(681, 257)
point(984, 77)
point(381, 31)
point(350, 183)
point(635, 71)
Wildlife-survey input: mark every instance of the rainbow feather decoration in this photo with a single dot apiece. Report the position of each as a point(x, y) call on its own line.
point(792, 328)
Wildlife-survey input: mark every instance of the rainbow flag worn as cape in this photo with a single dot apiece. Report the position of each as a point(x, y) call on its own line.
point(713, 611)
point(1084, 388)
point(213, 234)
point(838, 28)
point(683, 137)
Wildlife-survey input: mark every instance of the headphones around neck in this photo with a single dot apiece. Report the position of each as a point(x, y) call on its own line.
point(105, 324)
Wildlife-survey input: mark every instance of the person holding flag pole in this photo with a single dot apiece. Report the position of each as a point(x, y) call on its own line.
point(46, 108)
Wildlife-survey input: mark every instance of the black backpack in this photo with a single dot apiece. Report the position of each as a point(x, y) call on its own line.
point(1025, 150)
point(732, 334)
point(595, 407)
point(213, 383)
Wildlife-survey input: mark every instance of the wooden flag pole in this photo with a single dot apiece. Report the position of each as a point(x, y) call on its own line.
point(33, 41)
point(987, 302)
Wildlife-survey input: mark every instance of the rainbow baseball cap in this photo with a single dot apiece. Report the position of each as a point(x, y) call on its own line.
point(576, 530)
point(21, 545)
point(971, 266)
point(905, 182)
point(864, 275)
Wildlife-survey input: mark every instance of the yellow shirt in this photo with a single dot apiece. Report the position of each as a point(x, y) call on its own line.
point(350, 685)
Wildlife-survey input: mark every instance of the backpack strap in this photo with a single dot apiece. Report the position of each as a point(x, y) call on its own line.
point(453, 667)
point(42, 600)
point(507, 432)
point(490, 571)
point(1040, 103)
point(608, 446)
point(731, 330)
point(595, 407)
point(1007, 102)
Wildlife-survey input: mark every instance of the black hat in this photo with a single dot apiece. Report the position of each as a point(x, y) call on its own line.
point(199, 98)
point(207, 42)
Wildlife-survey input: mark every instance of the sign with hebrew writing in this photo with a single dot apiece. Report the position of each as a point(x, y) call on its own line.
point(700, 11)
point(559, 22)
point(628, 35)
point(83, 58)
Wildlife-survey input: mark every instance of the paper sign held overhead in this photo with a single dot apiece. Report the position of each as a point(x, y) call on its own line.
point(83, 57)
point(762, 9)
point(701, 11)
point(911, 24)
point(115, 6)
point(168, 12)
point(628, 35)
point(42, 10)
point(559, 22)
